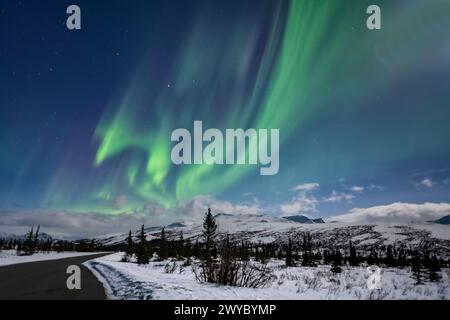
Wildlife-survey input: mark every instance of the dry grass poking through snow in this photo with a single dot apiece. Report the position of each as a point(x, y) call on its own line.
point(396, 284)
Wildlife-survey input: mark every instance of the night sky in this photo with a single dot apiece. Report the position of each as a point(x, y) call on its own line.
point(86, 115)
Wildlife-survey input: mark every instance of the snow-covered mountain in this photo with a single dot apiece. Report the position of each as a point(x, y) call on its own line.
point(268, 229)
point(443, 220)
point(304, 219)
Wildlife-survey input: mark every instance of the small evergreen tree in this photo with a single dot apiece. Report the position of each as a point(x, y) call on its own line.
point(180, 247)
point(433, 268)
point(401, 257)
point(27, 247)
point(373, 258)
point(390, 260)
point(307, 254)
point(327, 256)
point(129, 249)
point(209, 234)
point(353, 259)
point(142, 253)
point(196, 251)
point(35, 240)
point(227, 266)
point(244, 253)
point(417, 268)
point(19, 248)
point(337, 262)
point(163, 246)
point(289, 260)
point(187, 252)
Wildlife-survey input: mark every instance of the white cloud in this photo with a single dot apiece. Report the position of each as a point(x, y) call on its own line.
point(247, 194)
point(358, 189)
point(299, 205)
point(72, 224)
point(75, 224)
point(306, 187)
point(427, 183)
point(373, 187)
point(395, 212)
point(339, 196)
point(446, 181)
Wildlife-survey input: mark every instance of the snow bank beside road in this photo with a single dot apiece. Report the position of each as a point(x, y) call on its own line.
point(131, 281)
point(9, 257)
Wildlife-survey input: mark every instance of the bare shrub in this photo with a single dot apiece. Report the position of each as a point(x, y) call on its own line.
point(281, 279)
point(125, 258)
point(170, 267)
point(238, 274)
point(312, 282)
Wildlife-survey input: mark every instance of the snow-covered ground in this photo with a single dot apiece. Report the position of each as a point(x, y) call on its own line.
point(8, 257)
point(131, 281)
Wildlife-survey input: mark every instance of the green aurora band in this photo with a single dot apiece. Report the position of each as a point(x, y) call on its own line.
point(240, 75)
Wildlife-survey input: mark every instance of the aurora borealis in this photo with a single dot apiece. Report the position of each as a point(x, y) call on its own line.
point(86, 116)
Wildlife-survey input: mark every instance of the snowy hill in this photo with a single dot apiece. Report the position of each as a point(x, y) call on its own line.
point(268, 229)
point(8, 236)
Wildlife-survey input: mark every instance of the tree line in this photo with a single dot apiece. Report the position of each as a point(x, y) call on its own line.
point(31, 244)
point(227, 262)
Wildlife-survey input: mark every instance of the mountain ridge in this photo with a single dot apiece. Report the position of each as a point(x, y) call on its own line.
point(269, 229)
point(444, 220)
point(304, 219)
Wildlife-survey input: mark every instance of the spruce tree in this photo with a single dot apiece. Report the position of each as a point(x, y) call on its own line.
point(19, 248)
point(417, 268)
point(244, 252)
point(196, 251)
point(433, 268)
point(390, 261)
point(163, 247)
point(142, 254)
point(289, 259)
point(209, 235)
point(48, 245)
point(27, 247)
point(353, 259)
point(180, 247)
point(92, 246)
point(401, 257)
point(337, 262)
point(307, 250)
point(227, 269)
point(35, 240)
point(129, 249)
point(327, 257)
point(187, 251)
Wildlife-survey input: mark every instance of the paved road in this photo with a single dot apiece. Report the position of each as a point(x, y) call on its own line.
point(47, 280)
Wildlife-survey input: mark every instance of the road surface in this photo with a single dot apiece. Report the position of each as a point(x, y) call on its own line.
point(47, 280)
